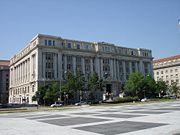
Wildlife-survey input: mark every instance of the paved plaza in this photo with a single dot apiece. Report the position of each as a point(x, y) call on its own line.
point(138, 119)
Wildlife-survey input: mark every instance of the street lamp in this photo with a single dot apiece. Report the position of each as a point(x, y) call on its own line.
point(60, 84)
point(104, 93)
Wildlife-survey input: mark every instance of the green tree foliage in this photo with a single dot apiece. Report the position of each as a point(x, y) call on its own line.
point(134, 84)
point(52, 93)
point(175, 89)
point(149, 87)
point(94, 84)
point(47, 95)
point(161, 88)
point(39, 95)
point(144, 86)
point(73, 84)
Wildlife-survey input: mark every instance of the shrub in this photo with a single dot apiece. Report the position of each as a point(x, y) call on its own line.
point(125, 99)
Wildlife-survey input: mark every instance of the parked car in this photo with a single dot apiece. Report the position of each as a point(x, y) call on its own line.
point(172, 97)
point(169, 96)
point(56, 105)
point(144, 100)
point(80, 103)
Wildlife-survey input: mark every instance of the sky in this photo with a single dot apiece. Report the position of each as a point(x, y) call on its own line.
point(150, 24)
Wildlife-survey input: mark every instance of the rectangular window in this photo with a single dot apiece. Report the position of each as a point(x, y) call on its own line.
point(69, 45)
point(157, 73)
point(132, 53)
point(33, 88)
point(78, 46)
point(49, 42)
point(45, 42)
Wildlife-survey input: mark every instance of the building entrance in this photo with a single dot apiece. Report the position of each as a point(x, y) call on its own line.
point(108, 91)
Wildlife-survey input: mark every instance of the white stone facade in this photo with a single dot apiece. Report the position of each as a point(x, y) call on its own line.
point(167, 69)
point(46, 58)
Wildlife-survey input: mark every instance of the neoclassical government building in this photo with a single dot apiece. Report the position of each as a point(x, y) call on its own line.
point(47, 58)
point(167, 69)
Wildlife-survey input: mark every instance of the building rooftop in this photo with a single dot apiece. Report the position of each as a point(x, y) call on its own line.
point(167, 59)
point(4, 62)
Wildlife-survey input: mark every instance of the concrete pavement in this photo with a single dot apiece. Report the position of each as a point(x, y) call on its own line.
point(138, 119)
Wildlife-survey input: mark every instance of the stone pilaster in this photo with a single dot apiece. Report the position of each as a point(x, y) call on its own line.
point(124, 70)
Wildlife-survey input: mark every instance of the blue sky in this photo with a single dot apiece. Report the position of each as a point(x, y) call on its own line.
point(151, 24)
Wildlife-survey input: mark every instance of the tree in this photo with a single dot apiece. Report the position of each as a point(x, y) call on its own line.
point(141, 86)
point(175, 89)
point(39, 95)
point(94, 83)
point(73, 84)
point(134, 84)
point(52, 93)
point(161, 88)
point(47, 95)
point(150, 87)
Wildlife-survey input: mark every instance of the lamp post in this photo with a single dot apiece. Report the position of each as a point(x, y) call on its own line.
point(60, 84)
point(105, 95)
point(43, 79)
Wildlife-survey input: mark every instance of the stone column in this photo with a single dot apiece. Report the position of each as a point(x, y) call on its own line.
point(111, 69)
point(101, 70)
point(141, 66)
point(30, 64)
point(91, 65)
point(35, 69)
point(25, 70)
point(39, 64)
point(15, 75)
point(65, 63)
point(18, 73)
point(43, 65)
point(55, 66)
point(115, 71)
point(22, 72)
point(83, 65)
point(124, 70)
point(151, 68)
point(60, 65)
point(74, 65)
point(28, 71)
point(130, 67)
point(136, 66)
point(97, 66)
point(118, 76)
